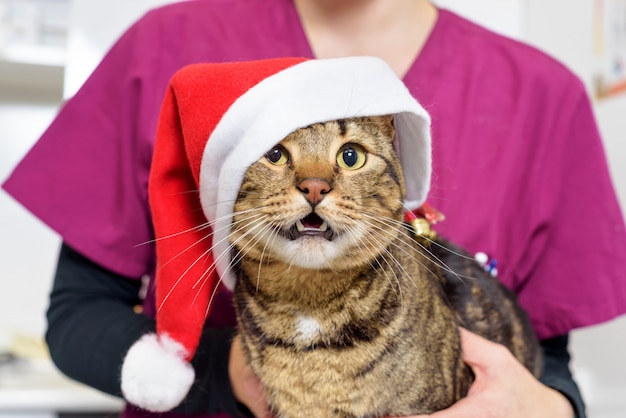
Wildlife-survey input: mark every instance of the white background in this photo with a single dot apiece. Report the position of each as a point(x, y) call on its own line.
point(562, 28)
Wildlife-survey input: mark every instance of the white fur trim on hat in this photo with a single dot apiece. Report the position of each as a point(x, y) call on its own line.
point(155, 374)
point(309, 92)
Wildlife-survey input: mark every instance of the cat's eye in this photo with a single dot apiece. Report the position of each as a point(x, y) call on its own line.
point(351, 157)
point(277, 155)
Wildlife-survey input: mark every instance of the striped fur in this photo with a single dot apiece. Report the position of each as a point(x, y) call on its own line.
point(359, 319)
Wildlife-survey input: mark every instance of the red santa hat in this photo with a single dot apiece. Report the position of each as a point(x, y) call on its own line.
point(216, 120)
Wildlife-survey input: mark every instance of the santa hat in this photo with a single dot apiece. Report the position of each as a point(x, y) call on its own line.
point(216, 120)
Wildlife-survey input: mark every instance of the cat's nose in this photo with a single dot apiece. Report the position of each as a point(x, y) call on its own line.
point(314, 189)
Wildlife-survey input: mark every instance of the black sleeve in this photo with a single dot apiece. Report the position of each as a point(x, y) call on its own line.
point(92, 324)
point(556, 373)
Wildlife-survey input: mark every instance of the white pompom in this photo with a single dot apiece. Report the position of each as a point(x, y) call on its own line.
point(482, 258)
point(155, 374)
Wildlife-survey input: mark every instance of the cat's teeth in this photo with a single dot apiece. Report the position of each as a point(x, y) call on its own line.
point(301, 228)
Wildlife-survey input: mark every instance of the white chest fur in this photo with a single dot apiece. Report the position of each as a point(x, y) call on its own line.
point(307, 328)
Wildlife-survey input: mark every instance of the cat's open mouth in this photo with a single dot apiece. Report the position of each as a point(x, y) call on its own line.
point(310, 226)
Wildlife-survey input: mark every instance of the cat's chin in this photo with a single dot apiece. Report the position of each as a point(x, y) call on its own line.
point(317, 252)
point(310, 251)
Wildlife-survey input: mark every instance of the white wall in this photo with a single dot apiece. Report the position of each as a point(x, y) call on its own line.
point(94, 26)
point(29, 97)
point(27, 247)
point(565, 30)
point(571, 41)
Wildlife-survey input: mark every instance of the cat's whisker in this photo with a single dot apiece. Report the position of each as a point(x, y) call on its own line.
point(180, 278)
point(228, 218)
point(184, 273)
point(372, 255)
point(189, 247)
point(392, 226)
point(268, 243)
point(176, 234)
point(373, 222)
point(200, 227)
point(211, 299)
point(201, 282)
point(203, 256)
point(438, 261)
point(249, 228)
point(206, 225)
point(390, 257)
point(202, 279)
point(252, 243)
point(242, 224)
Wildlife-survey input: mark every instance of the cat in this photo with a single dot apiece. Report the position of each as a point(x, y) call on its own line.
point(343, 311)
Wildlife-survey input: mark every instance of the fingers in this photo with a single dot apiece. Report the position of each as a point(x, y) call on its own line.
point(481, 354)
point(503, 386)
point(464, 408)
point(247, 388)
point(257, 403)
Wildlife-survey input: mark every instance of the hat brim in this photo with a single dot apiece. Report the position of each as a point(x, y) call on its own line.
point(309, 92)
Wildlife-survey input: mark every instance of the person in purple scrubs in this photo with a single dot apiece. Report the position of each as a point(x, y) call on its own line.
point(518, 169)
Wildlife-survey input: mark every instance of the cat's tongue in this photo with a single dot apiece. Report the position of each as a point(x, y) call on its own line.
point(310, 226)
point(312, 221)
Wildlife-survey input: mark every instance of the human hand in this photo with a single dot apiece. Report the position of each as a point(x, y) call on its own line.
point(247, 388)
point(503, 386)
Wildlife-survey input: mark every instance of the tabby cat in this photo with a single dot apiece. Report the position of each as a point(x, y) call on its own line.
point(342, 311)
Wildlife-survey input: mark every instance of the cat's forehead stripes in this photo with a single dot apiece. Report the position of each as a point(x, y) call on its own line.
point(342, 126)
point(363, 130)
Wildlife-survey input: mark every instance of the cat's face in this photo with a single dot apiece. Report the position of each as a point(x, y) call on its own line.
point(327, 196)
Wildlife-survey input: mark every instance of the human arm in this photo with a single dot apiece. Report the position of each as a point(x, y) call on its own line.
point(504, 388)
point(556, 372)
point(91, 325)
point(246, 385)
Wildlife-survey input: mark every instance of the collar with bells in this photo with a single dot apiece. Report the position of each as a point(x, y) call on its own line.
point(422, 219)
